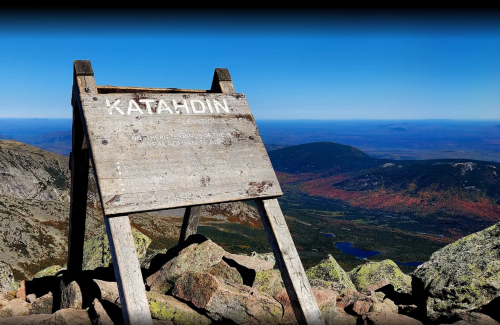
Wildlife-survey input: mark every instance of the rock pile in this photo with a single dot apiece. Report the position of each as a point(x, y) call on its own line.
point(198, 282)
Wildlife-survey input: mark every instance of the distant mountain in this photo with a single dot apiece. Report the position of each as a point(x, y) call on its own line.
point(399, 129)
point(319, 157)
point(445, 189)
point(58, 142)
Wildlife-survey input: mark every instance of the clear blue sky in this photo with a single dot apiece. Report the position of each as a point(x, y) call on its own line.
point(291, 65)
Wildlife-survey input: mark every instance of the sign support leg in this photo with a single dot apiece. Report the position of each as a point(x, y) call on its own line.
point(79, 165)
point(135, 306)
point(190, 222)
point(296, 283)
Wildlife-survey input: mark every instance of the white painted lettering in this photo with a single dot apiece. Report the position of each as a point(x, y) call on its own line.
point(148, 104)
point(193, 106)
point(217, 104)
point(162, 104)
point(178, 106)
point(115, 105)
point(209, 106)
point(130, 108)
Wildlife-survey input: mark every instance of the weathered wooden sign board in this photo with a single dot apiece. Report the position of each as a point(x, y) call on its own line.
point(160, 148)
point(158, 151)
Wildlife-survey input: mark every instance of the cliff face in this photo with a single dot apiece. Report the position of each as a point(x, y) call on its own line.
point(27, 172)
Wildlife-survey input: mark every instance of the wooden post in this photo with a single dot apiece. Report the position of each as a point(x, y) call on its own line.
point(79, 165)
point(135, 306)
point(190, 222)
point(296, 283)
point(222, 82)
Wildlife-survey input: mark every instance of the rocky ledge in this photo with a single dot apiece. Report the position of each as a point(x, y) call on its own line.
point(198, 282)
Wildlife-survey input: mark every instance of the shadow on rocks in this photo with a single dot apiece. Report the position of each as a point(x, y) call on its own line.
point(492, 309)
point(399, 298)
point(161, 259)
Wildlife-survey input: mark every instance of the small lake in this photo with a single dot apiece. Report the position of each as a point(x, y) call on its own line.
point(347, 248)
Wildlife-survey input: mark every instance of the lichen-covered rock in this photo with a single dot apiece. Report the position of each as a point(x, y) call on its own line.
point(226, 273)
point(268, 281)
point(42, 305)
point(462, 276)
point(268, 257)
point(374, 275)
point(387, 306)
point(72, 317)
point(222, 301)
point(329, 270)
point(164, 307)
point(15, 307)
point(96, 252)
point(194, 258)
point(7, 282)
point(382, 318)
point(49, 271)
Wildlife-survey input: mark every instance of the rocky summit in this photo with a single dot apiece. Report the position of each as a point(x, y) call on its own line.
point(199, 282)
point(461, 277)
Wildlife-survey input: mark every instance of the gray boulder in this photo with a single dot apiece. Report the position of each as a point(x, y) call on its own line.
point(223, 301)
point(461, 277)
point(194, 258)
point(7, 282)
point(42, 305)
point(15, 307)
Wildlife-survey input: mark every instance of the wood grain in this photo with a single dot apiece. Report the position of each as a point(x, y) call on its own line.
point(294, 277)
point(190, 222)
point(135, 307)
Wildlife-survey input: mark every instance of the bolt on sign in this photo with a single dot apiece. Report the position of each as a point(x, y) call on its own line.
point(161, 148)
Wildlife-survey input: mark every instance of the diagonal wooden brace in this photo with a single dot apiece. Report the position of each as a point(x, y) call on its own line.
point(296, 283)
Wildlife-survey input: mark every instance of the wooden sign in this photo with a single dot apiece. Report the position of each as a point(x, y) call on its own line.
point(159, 148)
point(159, 151)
